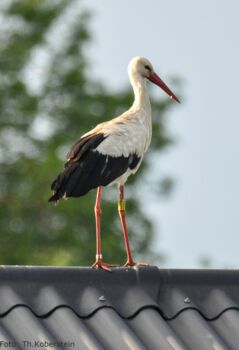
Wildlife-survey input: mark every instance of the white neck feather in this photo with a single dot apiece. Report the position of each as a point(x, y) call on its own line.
point(141, 101)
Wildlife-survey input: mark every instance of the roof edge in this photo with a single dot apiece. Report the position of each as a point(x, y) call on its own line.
point(43, 289)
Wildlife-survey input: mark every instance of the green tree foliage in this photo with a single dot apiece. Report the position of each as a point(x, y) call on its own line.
point(47, 102)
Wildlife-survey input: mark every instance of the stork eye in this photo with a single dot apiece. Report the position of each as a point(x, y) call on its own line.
point(148, 68)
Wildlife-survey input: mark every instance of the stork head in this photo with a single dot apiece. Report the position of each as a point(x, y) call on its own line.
point(141, 67)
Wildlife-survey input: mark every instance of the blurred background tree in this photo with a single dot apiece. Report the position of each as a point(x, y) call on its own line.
point(48, 100)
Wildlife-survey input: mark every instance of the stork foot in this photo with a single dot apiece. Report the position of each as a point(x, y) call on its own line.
point(99, 264)
point(131, 263)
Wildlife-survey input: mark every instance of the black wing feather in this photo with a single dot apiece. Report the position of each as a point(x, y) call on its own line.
point(83, 144)
point(87, 168)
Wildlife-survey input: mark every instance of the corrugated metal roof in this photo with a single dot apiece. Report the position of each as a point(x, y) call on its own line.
point(144, 308)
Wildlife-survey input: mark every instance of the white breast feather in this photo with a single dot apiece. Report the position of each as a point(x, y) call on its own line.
point(129, 136)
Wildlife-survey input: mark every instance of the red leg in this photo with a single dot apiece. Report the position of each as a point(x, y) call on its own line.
point(98, 262)
point(122, 214)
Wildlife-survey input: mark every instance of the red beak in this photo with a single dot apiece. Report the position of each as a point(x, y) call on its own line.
point(156, 80)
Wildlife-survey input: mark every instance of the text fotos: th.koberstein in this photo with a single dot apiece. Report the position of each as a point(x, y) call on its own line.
point(36, 344)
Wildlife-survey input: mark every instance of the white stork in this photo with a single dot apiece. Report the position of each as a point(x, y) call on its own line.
point(111, 152)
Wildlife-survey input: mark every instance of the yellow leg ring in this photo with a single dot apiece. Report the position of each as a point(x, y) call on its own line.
point(121, 205)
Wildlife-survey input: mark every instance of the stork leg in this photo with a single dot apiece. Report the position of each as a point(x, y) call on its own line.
point(122, 214)
point(98, 262)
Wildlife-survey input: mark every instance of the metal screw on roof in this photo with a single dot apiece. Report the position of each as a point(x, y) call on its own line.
point(102, 298)
point(187, 300)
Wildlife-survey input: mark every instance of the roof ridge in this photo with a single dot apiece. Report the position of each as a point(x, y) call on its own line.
point(125, 290)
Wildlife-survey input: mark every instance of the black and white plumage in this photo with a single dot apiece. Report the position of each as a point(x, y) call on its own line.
point(112, 151)
point(87, 168)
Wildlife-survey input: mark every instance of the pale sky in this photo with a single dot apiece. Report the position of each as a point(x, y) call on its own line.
point(198, 41)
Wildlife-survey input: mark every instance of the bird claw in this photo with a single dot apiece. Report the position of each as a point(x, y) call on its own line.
point(99, 264)
point(131, 263)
